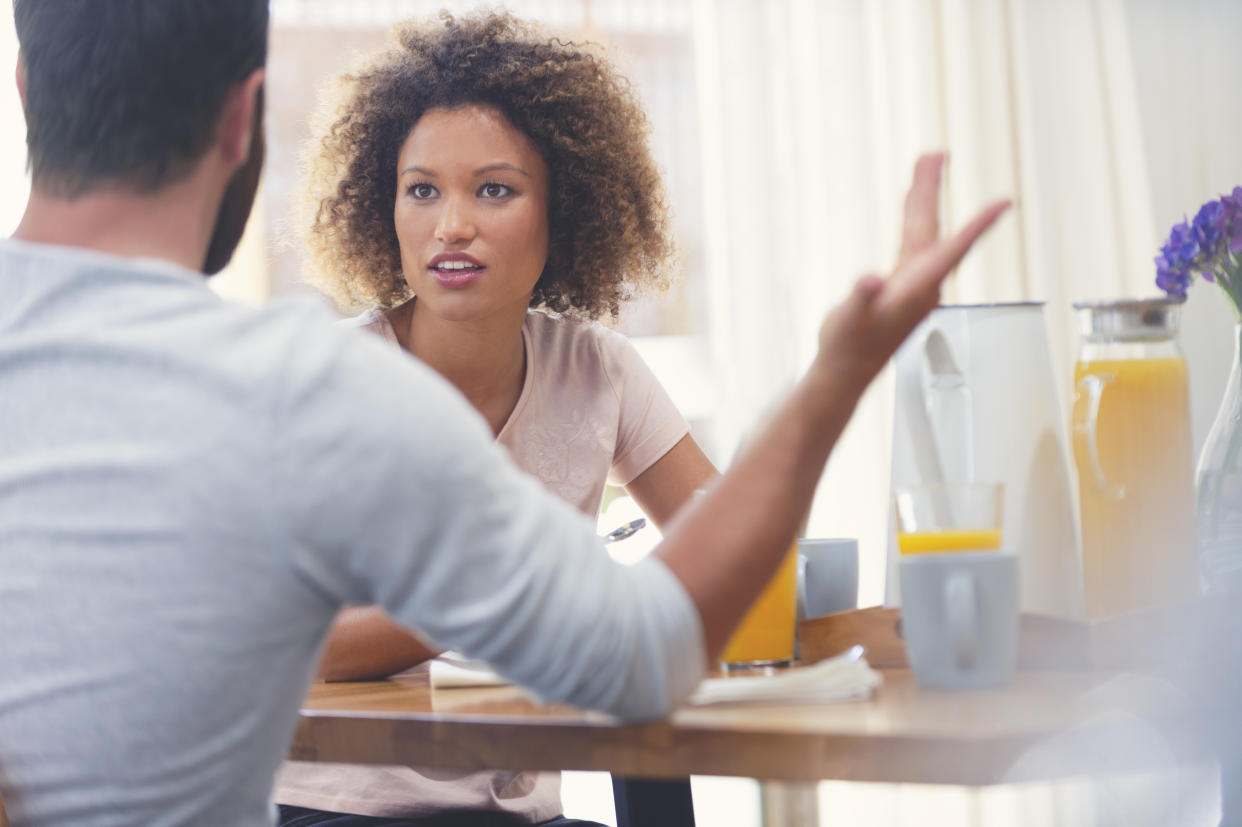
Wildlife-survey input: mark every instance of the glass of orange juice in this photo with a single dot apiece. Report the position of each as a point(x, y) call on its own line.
point(949, 517)
point(765, 637)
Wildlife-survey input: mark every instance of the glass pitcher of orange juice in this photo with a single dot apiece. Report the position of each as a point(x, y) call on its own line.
point(1132, 447)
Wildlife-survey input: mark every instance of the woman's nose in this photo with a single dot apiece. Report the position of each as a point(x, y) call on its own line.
point(456, 223)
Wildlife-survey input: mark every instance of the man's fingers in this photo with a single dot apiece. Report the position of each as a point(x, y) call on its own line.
point(932, 266)
point(921, 224)
point(955, 248)
point(867, 288)
point(857, 304)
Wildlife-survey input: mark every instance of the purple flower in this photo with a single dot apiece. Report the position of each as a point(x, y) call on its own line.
point(1209, 246)
point(1207, 231)
point(1171, 280)
point(1182, 248)
point(1211, 215)
point(1231, 209)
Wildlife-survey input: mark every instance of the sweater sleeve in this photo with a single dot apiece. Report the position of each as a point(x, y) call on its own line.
point(390, 490)
point(649, 424)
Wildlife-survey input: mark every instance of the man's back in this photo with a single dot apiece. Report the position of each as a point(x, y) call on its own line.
point(135, 453)
point(189, 490)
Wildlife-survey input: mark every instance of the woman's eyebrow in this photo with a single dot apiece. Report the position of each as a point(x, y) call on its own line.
point(499, 166)
point(479, 171)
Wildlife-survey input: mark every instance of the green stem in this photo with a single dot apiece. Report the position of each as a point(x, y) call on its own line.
point(1230, 281)
point(1233, 450)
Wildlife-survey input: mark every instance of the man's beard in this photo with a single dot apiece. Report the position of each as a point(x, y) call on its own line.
point(238, 199)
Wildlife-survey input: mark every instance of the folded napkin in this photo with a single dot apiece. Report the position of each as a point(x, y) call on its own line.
point(845, 677)
point(848, 676)
point(452, 671)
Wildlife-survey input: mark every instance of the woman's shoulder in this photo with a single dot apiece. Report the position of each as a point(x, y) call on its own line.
point(564, 334)
point(567, 347)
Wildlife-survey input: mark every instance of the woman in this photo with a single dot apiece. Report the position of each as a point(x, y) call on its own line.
point(481, 170)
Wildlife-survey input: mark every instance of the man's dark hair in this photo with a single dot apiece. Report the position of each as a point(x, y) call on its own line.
point(127, 93)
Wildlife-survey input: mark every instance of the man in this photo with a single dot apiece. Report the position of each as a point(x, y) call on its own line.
point(186, 497)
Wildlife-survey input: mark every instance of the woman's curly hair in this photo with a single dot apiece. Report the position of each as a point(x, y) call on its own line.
point(607, 218)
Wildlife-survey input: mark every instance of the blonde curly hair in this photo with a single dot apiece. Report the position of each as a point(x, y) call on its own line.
point(607, 216)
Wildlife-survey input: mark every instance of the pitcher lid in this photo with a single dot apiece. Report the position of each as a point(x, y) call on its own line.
point(1131, 320)
point(1018, 304)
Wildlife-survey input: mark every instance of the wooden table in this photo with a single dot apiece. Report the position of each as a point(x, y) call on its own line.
point(1046, 725)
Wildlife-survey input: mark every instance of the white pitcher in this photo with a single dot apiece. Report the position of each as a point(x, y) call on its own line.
point(976, 401)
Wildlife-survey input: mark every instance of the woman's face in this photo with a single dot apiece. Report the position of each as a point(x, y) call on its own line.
point(471, 213)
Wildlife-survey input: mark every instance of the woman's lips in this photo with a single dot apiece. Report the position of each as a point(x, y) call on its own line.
point(456, 279)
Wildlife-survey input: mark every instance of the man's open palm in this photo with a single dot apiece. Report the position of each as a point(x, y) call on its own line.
point(862, 333)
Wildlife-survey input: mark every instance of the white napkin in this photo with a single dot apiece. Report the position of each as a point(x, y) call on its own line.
point(452, 671)
point(845, 677)
point(848, 676)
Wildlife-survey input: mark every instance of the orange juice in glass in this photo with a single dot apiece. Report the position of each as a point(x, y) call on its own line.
point(961, 539)
point(1132, 449)
point(949, 517)
point(765, 637)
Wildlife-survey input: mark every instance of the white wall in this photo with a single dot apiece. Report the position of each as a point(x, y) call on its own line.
point(14, 183)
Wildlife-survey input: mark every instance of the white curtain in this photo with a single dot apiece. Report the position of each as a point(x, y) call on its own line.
point(1105, 120)
point(14, 182)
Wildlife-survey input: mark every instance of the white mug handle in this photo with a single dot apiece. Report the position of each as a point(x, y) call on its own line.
point(960, 602)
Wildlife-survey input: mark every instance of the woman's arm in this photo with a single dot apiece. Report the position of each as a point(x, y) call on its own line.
point(366, 644)
point(669, 483)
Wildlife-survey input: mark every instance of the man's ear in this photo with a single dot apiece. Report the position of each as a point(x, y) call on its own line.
point(237, 121)
point(21, 78)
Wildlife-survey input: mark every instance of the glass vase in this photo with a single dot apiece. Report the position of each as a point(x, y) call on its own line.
point(1218, 486)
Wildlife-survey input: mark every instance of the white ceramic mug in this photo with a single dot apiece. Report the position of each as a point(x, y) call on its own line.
point(827, 576)
point(959, 617)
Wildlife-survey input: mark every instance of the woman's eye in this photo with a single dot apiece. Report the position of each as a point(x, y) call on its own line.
point(494, 190)
point(422, 190)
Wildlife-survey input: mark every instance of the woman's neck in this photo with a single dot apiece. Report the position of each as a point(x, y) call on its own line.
point(484, 359)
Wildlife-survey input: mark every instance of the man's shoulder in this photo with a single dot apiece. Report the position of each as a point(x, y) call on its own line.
point(155, 313)
point(91, 289)
point(298, 319)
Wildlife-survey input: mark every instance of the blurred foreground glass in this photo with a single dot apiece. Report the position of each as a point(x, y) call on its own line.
point(1132, 448)
point(1218, 488)
point(947, 517)
point(765, 637)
